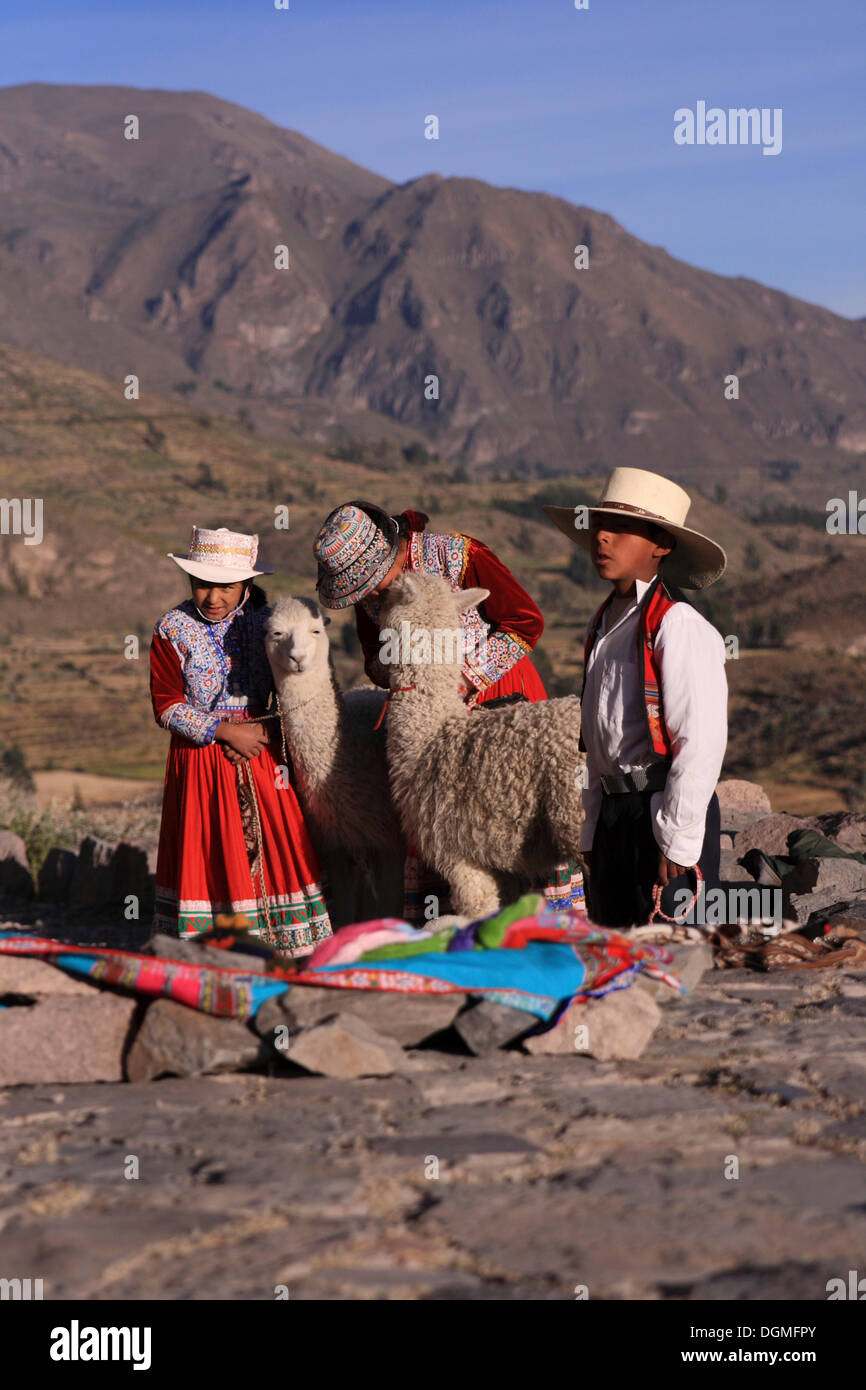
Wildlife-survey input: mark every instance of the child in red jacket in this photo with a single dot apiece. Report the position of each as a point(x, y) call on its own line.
point(360, 550)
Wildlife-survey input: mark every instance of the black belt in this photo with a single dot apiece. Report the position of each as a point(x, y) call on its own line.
point(651, 778)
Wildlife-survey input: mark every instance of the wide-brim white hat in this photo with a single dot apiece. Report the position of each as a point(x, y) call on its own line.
point(221, 556)
point(694, 563)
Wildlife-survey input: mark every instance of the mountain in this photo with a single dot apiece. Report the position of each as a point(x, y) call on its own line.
point(156, 257)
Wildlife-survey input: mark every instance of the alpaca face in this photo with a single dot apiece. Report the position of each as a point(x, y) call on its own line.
point(295, 637)
point(420, 632)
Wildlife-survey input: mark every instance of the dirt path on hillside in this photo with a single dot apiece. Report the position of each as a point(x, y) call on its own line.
point(91, 787)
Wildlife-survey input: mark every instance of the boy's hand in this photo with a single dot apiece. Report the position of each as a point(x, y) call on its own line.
point(668, 869)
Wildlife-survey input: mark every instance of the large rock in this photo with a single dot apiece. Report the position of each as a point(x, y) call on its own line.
point(406, 1018)
point(28, 975)
point(846, 829)
point(615, 1027)
point(805, 906)
point(691, 963)
point(345, 1046)
point(106, 874)
point(16, 880)
point(65, 1039)
point(731, 870)
point(174, 1040)
point(188, 949)
point(770, 834)
point(486, 1026)
point(846, 876)
point(737, 795)
point(56, 875)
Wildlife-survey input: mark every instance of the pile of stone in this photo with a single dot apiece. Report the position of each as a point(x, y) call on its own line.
point(55, 1028)
point(822, 887)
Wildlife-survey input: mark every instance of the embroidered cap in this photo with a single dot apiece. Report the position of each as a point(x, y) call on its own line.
point(694, 563)
point(221, 556)
point(355, 548)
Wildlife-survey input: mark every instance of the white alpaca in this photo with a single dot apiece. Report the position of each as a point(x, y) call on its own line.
point(484, 795)
point(337, 755)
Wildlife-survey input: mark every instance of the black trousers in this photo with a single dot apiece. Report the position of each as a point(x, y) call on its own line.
point(625, 861)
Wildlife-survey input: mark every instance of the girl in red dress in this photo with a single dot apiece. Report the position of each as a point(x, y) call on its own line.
point(232, 837)
point(360, 550)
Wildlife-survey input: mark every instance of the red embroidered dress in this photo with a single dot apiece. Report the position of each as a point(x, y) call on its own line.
point(202, 673)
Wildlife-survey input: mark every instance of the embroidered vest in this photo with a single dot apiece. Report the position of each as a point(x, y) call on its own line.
point(655, 603)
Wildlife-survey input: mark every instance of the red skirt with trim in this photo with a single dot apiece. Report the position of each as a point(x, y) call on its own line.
point(204, 865)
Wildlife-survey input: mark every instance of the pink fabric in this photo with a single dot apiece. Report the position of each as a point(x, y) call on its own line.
point(350, 942)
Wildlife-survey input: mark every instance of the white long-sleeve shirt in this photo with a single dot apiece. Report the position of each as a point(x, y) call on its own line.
point(690, 655)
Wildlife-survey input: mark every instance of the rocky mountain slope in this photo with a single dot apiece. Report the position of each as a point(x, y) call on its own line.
point(157, 256)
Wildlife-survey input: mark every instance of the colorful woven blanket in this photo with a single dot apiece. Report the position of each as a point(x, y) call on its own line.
point(232, 992)
point(527, 956)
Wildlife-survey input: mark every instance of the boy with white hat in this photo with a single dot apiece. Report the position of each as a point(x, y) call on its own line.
point(654, 700)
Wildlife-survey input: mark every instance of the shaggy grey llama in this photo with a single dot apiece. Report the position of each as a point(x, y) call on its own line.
point(486, 796)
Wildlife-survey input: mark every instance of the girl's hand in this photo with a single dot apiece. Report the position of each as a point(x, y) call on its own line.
point(248, 740)
point(233, 757)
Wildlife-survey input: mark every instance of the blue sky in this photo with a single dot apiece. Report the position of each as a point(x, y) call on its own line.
point(532, 94)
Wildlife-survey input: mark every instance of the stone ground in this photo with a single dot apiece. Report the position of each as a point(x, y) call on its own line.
point(553, 1172)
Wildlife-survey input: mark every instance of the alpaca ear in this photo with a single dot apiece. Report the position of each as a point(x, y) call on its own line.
point(405, 588)
point(326, 620)
point(470, 598)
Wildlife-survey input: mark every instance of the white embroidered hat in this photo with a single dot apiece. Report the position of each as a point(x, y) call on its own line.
point(221, 556)
point(694, 563)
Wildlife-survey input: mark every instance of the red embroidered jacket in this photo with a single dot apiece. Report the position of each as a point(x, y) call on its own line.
point(513, 621)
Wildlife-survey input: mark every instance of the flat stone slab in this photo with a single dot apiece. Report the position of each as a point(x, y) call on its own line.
point(409, 1019)
point(33, 976)
point(453, 1146)
point(180, 948)
point(65, 1038)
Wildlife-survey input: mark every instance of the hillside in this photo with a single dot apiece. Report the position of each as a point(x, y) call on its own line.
point(156, 256)
point(122, 484)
